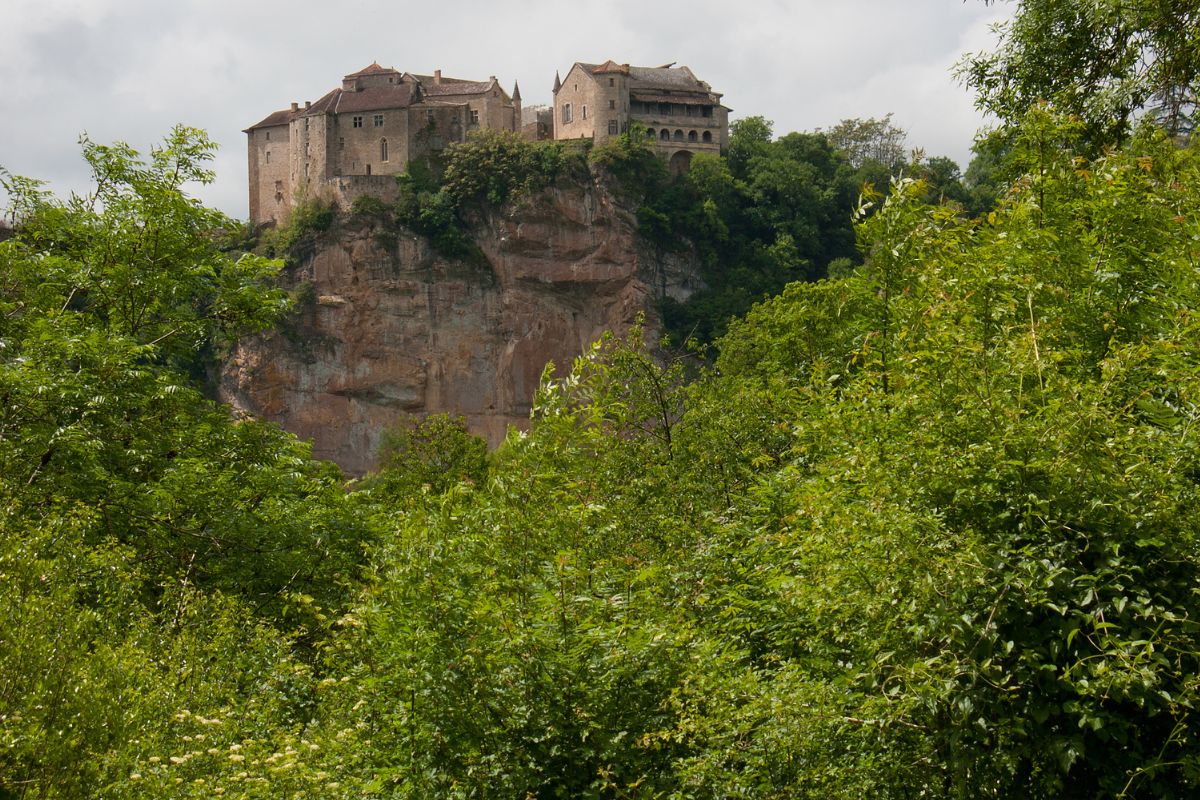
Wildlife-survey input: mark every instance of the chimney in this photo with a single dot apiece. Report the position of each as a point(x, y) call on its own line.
point(295, 106)
point(437, 77)
point(307, 104)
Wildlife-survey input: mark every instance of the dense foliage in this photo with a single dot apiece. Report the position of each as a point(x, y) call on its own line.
point(926, 529)
point(1104, 61)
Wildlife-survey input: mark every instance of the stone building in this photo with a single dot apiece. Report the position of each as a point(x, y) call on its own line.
point(356, 138)
point(679, 111)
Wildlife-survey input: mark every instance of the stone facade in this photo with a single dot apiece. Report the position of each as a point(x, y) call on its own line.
point(679, 111)
point(378, 121)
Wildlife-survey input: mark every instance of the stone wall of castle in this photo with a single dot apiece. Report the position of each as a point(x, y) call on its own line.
point(270, 174)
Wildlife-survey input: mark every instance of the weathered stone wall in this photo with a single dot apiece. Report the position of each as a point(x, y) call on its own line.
point(356, 149)
point(395, 328)
point(578, 90)
point(270, 180)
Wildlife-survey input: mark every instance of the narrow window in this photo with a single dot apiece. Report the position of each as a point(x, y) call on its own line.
point(612, 103)
point(611, 82)
point(383, 154)
point(306, 170)
point(585, 112)
point(566, 113)
point(341, 143)
point(268, 136)
point(379, 120)
point(612, 127)
point(306, 124)
point(357, 122)
point(368, 169)
point(306, 149)
point(474, 117)
point(268, 156)
point(429, 116)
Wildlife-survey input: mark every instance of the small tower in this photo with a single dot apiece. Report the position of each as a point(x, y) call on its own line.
point(517, 116)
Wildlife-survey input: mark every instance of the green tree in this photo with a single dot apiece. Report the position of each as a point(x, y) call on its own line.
point(1101, 60)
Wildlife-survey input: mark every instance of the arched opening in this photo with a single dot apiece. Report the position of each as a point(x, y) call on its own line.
point(707, 137)
point(383, 153)
point(680, 162)
point(678, 135)
point(650, 133)
point(691, 136)
point(665, 135)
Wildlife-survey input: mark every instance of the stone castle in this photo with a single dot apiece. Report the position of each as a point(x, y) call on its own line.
point(356, 139)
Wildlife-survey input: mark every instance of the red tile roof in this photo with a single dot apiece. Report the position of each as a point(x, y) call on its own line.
point(372, 69)
point(277, 118)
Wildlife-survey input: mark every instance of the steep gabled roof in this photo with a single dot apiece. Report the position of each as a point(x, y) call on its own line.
point(442, 87)
point(373, 69)
point(610, 66)
point(277, 118)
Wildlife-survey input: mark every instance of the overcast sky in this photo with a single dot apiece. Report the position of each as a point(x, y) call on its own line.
point(130, 69)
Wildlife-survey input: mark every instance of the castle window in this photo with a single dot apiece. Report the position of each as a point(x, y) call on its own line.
point(306, 125)
point(379, 120)
point(665, 135)
point(612, 127)
point(306, 170)
point(612, 103)
point(268, 136)
point(357, 122)
point(611, 82)
point(383, 153)
point(678, 135)
point(691, 136)
point(306, 149)
point(341, 143)
point(585, 112)
point(268, 156)
point(566, 113)
point(707, 137)
point(368, 169)
point(474, 117)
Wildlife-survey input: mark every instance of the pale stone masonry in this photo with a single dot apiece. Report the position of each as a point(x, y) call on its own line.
point(680, 112)
point(356, 139)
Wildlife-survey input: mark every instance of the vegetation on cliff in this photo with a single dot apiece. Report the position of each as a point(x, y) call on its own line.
point(929, 528)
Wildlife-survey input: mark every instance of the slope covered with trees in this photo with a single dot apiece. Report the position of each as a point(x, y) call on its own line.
point(928, 528)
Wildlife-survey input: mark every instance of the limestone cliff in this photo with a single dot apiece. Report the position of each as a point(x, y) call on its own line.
point(388, 326)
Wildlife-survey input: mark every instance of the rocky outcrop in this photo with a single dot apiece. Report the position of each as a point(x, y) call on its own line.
point(387, 326)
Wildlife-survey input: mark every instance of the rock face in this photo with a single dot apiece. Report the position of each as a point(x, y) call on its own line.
point(388, 327)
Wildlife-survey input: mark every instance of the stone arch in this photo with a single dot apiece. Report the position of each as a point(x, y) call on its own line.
point(665, 135)
point(680, 162)
point(707, 137)
point(691, 136)
point(678, 135)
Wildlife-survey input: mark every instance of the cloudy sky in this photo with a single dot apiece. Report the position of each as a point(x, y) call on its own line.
point(130, 69)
